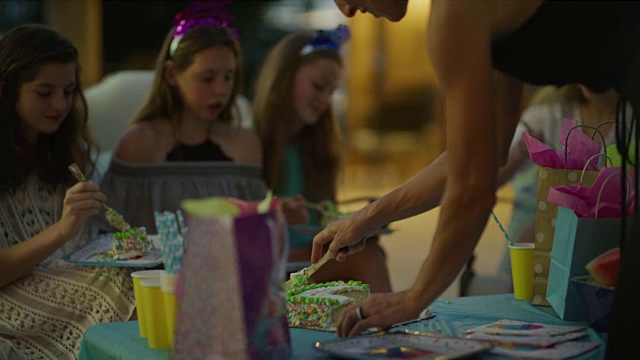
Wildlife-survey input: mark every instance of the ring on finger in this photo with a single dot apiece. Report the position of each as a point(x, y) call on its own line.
point(359, 313)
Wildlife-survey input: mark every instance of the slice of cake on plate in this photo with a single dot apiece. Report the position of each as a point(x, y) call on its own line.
point(132, 243)
point(320, 306)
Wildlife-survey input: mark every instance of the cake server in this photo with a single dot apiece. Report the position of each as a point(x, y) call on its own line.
point(113, 217)
point(301, 277)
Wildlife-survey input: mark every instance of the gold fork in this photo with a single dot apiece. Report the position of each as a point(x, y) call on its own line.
point(113, 217)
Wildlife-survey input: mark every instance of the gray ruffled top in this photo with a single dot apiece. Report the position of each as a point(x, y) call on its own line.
point(137, 190)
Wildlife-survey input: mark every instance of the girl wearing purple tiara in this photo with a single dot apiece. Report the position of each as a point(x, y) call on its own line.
point(294, 118)
point(46, 304)
point(183, 143)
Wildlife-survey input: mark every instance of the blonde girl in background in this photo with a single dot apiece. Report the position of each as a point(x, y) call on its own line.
point(184, 142)
point(301, 142)
point(46, 304)
point(188, 115)
point(542, 119)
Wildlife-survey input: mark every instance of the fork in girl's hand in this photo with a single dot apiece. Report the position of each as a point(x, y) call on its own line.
point(113, 217)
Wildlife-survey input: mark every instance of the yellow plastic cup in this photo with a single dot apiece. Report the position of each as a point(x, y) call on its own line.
point(168, 286)
point(154, 313)
point(522, 270)
point(138, 276)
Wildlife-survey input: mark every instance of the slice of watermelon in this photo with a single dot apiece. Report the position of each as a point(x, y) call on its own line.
point(604, 268)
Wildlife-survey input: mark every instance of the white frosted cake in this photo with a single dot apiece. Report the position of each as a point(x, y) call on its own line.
point(320, 306)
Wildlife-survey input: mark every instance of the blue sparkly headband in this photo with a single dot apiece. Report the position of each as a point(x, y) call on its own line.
point(200, 13)
point(327, 39)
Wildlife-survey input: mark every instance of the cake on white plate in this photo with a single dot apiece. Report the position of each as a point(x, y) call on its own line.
point(320, 306)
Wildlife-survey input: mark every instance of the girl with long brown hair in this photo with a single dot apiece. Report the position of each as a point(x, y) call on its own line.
point(185, 141)
point(46, 303)
point(301, 141)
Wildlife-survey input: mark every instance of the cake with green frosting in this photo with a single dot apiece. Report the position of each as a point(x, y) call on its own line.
point(320, 306)
point(130, 244)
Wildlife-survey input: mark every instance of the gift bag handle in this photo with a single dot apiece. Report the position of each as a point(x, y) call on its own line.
point(607, 123)
point(584, 169)
point(602, 188)
point(566, 141)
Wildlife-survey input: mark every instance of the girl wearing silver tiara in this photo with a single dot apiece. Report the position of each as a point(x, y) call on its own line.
point(184, 142)
point(294, 118)
point(46, 304)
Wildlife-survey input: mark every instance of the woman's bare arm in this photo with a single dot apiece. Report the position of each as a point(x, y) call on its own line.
point(460, 43)
point(479, 132)
point(469, 87)
point(422, 193)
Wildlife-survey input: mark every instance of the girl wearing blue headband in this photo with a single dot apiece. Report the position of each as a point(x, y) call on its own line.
point(295, 121)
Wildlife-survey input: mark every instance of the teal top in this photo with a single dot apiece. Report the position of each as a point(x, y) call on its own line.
point(293, 184)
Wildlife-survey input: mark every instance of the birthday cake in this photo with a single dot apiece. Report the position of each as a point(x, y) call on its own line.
point(132, 243)
point(320, 306)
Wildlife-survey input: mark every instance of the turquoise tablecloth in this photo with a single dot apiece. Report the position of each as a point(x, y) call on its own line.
point(121, 340)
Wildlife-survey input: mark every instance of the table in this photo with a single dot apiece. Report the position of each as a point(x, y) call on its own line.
point(453, 316)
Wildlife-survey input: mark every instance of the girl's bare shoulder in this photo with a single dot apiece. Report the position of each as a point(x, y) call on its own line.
point(146, 142)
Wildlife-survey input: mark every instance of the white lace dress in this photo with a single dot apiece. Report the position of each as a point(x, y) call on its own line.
point(45, 314)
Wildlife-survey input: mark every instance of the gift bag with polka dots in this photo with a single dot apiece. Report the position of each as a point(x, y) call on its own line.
point(546, 214)
point(230, 292)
